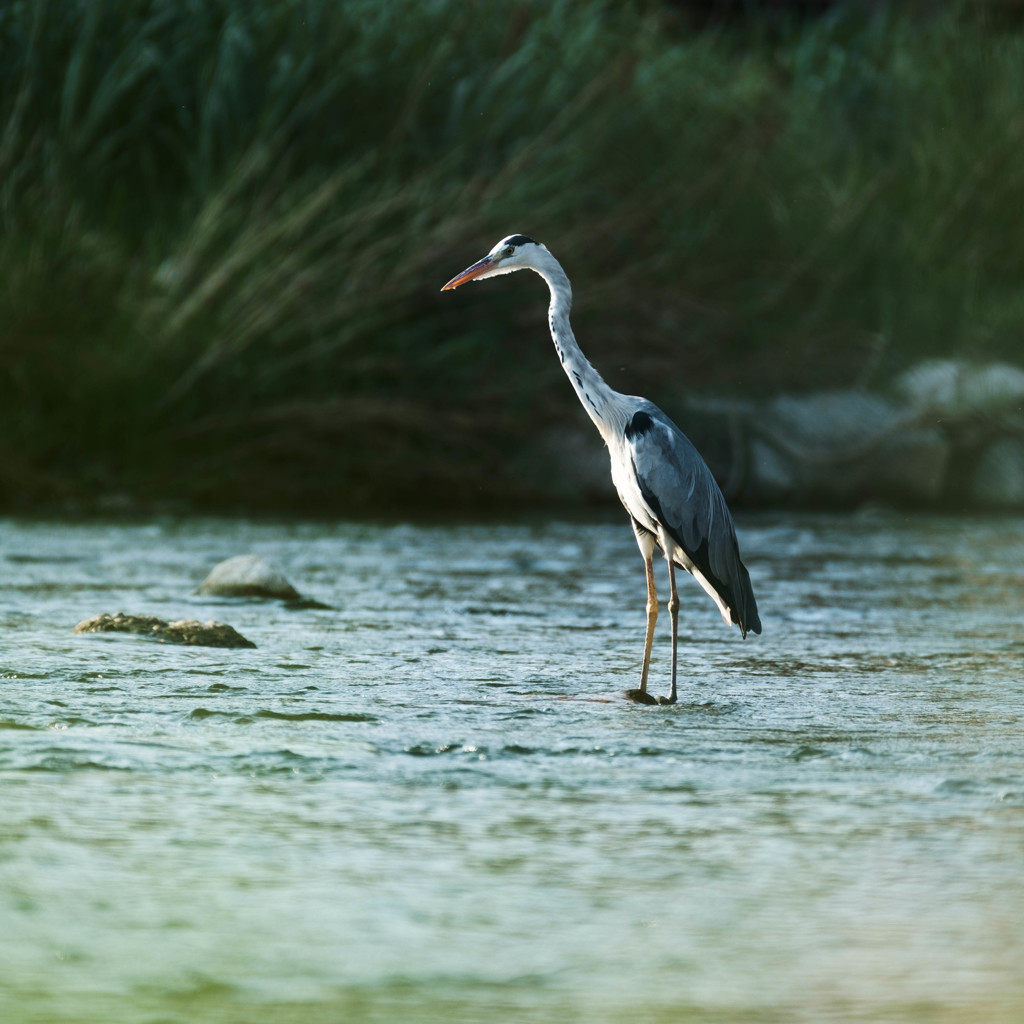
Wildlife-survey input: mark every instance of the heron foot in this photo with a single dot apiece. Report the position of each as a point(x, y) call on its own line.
point(640, 697)
point(666, 700)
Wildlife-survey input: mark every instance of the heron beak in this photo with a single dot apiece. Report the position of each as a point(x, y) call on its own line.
point(469, 273)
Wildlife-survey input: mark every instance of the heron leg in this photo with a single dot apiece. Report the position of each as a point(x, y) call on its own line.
point(673, 611)
point(645, 541)
point(652, 618)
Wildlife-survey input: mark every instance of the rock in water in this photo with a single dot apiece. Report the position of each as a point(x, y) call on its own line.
point(189, 632)
point(247, 576)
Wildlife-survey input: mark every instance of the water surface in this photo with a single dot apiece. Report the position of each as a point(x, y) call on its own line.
point(429, 802)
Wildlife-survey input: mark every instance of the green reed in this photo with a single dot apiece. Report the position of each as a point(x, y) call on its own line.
point(223, 225)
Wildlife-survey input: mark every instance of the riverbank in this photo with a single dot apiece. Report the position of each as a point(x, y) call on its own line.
point(948, 436)
point(224, 227)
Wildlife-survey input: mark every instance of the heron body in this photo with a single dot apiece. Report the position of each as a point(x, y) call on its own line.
point(674, 502)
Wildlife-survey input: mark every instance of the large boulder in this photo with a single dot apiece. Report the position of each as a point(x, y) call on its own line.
point(998, 480)
point(841, 447)
point(956, 387)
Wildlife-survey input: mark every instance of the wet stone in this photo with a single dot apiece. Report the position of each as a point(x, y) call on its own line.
point(247, 576)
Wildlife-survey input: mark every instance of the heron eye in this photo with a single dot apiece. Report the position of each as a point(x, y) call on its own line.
point(508, 250)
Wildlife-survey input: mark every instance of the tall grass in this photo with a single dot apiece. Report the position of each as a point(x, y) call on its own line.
point(223, 225)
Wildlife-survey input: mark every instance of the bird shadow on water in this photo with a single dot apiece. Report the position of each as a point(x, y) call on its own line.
point(635, 696)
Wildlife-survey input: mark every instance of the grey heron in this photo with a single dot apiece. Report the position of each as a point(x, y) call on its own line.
point(672, 499)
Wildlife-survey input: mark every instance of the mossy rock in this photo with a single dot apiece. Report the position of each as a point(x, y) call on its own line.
point(189, 632)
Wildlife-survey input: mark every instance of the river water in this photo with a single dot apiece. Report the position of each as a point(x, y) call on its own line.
point(430, 802)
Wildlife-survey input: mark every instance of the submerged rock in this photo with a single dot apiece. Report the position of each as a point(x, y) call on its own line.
point(247, 576)
point(189, 632)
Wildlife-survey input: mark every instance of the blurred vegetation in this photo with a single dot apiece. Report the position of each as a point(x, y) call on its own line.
point(224, 224)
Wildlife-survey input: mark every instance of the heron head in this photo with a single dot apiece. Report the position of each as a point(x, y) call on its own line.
point(516, 252)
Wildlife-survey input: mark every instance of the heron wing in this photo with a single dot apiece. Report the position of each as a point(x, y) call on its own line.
point(679, 489)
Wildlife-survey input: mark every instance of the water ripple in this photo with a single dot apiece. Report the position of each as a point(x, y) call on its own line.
point(433, 802)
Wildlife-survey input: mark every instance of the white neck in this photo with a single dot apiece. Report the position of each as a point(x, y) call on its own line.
point(606, 407)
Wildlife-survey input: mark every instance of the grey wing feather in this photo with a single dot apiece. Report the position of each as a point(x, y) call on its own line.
point(680, 490)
